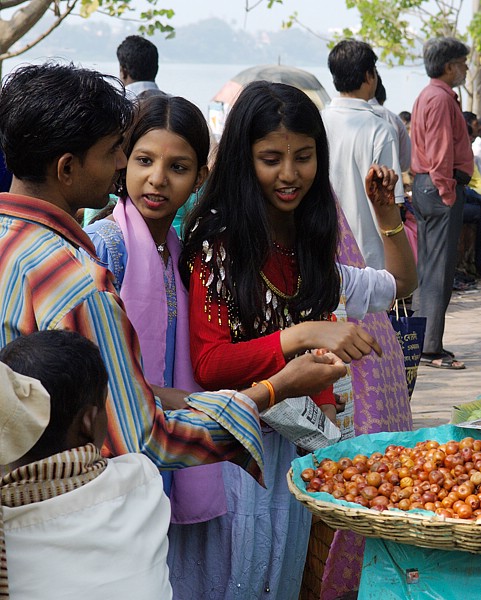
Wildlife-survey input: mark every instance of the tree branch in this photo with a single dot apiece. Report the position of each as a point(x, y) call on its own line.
point(294, 19)
point(42, 36)
point(249, 8)
point(21, 22)
point(10, 3)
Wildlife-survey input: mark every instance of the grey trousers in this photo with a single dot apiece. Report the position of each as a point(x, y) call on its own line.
point(439, 228)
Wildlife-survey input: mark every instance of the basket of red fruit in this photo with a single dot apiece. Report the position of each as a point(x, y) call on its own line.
point(421, 488)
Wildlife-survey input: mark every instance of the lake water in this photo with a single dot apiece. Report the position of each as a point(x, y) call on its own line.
point(200, 82)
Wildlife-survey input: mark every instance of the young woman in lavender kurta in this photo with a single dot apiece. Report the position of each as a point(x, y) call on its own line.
point(260, 258)
point(167, 149)
point(381, 403)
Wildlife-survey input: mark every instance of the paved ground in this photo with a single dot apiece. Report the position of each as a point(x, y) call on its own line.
point(437, 390)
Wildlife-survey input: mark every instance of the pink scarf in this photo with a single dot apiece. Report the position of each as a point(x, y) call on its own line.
point(198, 492)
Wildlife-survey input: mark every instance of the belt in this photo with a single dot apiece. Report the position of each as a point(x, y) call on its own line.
point(461, 177)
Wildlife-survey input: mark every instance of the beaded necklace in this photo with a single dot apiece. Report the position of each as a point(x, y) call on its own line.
point(277, 291)
point(274, 313)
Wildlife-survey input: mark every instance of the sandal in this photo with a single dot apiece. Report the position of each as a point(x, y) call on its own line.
point(442, 361)
point(462, 286)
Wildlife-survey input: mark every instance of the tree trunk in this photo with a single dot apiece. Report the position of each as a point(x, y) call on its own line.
point(476, 79)
point(21, 22)
point(476, 88)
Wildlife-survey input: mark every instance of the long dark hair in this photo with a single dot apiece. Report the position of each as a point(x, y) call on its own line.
point(234, 210)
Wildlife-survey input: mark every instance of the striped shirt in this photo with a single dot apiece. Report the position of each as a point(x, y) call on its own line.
point(50, 278)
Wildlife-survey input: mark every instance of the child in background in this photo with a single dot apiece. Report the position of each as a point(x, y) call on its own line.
point(77, 525)
point(260, 257)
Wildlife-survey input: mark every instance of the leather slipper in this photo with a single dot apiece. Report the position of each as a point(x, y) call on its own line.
point(442, 361)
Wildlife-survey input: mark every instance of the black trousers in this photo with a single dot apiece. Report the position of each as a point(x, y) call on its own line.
point(472, 214)
point(439, 228)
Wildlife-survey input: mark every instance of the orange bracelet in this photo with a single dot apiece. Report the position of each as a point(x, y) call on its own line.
point(272, 392)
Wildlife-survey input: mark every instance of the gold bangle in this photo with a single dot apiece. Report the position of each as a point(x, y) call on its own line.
point(270, 387)
point(391, 232)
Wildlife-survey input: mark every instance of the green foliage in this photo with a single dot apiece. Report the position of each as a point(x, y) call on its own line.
point(88, 7)
point(155, 25)
point(291, 20)
point(398, 28)
point(474, 30)
point(386, 25)
point(152, 20)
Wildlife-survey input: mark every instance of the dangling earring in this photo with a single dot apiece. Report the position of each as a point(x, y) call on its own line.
point(196, 190)
point(120, 189)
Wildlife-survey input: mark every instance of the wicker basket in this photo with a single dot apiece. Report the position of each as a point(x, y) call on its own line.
point(398, 526)
point(320, 540)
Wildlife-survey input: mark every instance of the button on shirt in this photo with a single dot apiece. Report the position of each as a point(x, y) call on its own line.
point(440, 140)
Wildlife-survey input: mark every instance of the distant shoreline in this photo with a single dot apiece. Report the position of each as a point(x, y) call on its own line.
point(199, 82)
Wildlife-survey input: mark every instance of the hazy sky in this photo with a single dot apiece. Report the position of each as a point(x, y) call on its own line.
point(320, 15)
point(334, 13)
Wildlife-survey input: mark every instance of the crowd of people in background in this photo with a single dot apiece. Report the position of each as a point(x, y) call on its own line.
point(263, 268)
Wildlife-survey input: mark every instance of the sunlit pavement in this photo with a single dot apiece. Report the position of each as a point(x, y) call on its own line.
point(437, 390)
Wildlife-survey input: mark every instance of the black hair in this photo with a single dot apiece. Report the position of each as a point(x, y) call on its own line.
point(348, 62)
point(232, 207)
point(70, 368)
point(139, 58)
point(50, 109)
point(380, 93)
point(405, 116)
point(175, 114)
point(469, 116)
point(438, 52)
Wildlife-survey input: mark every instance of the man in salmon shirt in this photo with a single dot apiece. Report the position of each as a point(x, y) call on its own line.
point(442, 163)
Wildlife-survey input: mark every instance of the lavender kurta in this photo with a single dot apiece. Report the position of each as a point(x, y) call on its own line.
point(381, 403)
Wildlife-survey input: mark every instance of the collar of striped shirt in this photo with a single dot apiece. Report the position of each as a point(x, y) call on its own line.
point(49, 215)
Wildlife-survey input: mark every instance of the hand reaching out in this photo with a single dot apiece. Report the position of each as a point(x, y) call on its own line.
point(348, 341)
point(380, 182)
point(305, 375)
point(398, 256)
point(308, 374)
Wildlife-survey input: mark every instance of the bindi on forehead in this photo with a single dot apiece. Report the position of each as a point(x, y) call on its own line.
point(284, 142)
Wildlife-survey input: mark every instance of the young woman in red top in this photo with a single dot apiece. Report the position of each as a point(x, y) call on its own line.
point(260, 262)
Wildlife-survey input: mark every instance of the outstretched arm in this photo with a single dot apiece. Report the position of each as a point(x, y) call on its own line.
point(399, 259)
point(305, 375)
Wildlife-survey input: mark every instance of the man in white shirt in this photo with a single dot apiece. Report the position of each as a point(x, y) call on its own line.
point(404, 140)
point(357, 139)
point(139, 62)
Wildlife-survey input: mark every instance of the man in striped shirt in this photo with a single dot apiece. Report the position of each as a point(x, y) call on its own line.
point(61, 129)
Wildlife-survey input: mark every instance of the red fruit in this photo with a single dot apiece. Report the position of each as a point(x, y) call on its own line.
point(307, 474)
